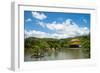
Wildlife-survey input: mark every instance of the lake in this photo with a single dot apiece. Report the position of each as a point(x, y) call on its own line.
point(69, 53)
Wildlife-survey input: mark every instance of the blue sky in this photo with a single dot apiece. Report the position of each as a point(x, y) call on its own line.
point(55, 24)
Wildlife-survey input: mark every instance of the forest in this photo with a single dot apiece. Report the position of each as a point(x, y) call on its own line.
point(39, 46)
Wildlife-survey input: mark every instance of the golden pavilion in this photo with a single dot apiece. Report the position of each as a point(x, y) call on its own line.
point(75, 43)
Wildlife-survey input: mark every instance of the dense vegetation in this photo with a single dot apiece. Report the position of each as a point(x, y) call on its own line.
point(38, 46)
point(85, 42)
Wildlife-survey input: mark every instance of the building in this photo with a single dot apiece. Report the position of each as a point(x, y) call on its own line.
point(75, 43)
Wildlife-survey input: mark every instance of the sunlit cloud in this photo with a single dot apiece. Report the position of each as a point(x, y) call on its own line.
point(28, 20)
point(66, 29)
point(40, 34)
point(39, 15)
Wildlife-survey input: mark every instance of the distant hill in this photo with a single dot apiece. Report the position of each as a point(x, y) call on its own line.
point(63, 42)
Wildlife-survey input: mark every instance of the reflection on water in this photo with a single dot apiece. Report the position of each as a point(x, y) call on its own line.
point(71, 53)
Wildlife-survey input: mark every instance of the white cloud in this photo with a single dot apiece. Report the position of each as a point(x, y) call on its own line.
point(65, 29)
point(41, 24)
point(68, 21)
point(40, 34)
point(34, 33)
point(54, 26)
point(85, 21)
point(28, 20)
point(39, 15)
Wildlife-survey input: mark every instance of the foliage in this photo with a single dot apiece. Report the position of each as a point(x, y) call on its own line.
point(85, 42)
point(41, 45)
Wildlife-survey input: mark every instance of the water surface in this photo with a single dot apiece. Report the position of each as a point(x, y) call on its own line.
point(69, 53)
